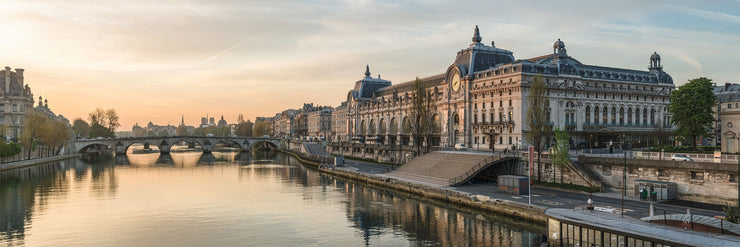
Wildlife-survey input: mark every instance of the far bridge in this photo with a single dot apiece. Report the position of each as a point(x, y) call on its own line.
point(120, 145)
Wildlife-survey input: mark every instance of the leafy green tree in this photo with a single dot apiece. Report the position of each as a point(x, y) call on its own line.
point(243, 127)
point(422, 109)
point(262, 128)
point(182, 131)
point(80, 128)
point(560, 157)
point(9, 149)
point(692, 111)
point(53, 135)
point(536, 120)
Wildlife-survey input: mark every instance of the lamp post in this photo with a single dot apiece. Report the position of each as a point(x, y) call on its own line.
point(590, 144)
point(624, 173)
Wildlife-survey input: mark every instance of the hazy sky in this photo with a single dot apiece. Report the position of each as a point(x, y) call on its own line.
point(156, 60)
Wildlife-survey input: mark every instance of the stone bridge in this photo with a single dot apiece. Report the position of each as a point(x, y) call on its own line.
point(120, 145)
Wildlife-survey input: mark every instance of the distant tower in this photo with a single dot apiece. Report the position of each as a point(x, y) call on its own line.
point(203, 121)
point(212, 121)
point(182, 123)
point(41, 102)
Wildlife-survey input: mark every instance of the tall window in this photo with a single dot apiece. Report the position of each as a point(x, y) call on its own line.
point(605, 115)
point(588, 114)
point(621, 115)
point(629, 115)
point(596, 114)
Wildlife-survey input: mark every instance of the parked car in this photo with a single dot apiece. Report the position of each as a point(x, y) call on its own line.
point(680, 157)
point(460, 146)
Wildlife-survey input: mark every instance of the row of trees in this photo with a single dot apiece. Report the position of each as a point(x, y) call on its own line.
point(39, 129)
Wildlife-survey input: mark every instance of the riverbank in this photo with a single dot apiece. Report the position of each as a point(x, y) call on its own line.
point(517, 210)
point(32, 162)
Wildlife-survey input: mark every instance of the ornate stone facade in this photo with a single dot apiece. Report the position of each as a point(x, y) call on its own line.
point(16, 100)
point(481, 101)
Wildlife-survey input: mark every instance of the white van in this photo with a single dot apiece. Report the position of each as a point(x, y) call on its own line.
point(460, 146)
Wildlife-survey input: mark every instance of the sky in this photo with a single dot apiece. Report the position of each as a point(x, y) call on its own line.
point(160, 60)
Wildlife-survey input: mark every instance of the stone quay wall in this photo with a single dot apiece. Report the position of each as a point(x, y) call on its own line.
point(696, 181)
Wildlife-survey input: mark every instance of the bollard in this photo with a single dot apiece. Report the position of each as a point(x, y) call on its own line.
point(651, 212)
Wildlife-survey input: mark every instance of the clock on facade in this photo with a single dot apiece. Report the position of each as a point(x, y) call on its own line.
point(455, 82)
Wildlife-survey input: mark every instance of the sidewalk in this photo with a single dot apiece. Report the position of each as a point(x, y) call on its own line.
point(31, 162)
point(558, 198)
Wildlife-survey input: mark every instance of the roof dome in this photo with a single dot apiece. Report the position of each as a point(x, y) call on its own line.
point(558, 44)
point(655, 56)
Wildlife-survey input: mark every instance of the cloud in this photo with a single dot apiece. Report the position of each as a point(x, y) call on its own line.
point(711, 15)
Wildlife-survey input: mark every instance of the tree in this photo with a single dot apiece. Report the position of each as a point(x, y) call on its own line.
point(81, 128)
point(53, 135)
point(32, 129)
point(536, 119)
point(9, 149)
point(182, 131)
point(421, 113)
point(111, 120)
point(560, 157)
point(103, 123)
point(262, 129)
point(243, 127)
point(692, 111)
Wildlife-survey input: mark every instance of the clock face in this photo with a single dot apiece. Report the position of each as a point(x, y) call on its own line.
point(455, 82)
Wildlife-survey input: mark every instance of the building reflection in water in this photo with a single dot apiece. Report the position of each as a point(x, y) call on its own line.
point(373, 213)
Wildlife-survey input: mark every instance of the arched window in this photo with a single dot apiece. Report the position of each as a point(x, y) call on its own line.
point(363, 127)
point(394, 126)
point(436, 124)
point(383, 127)
point(456, 119)
point(621, 115)
point(729, 124)
point(406, 125)
point(614, 115)
point(629, 115)
point(605, 115)
point(588, 114)
point(596, 114)
point(652, 117)
point(372, 127)
point(644, 116)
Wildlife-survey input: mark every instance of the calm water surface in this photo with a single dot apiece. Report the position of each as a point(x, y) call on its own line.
point(227, 199)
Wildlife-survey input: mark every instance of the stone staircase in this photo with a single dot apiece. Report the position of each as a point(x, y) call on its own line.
point(437, 167)
point(314, 149)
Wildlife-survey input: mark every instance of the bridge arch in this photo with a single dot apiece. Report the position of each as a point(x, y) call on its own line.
point(89, 146)
point(271, 142)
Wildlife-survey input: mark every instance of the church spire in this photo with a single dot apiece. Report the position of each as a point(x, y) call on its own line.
point(367, 71)
point(476, 35)
point(183, 120)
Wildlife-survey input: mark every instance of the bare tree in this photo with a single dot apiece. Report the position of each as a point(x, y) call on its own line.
point(539, 128)
point(421, 113)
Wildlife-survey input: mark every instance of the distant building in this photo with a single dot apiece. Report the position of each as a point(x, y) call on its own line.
point(271, 130)
point(153, 130)
point(339, 123)
point(319, 122)
point(222, 122)
point(727, 118)
point(43, 107)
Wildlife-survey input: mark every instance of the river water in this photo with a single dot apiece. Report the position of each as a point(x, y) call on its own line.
point(227, 199)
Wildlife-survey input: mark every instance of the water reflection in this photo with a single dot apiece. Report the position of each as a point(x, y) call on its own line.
point(29, 197)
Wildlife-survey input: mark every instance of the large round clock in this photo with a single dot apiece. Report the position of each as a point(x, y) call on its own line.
point(455, 82)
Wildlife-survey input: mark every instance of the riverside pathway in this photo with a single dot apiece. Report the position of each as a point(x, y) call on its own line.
point(555, 198)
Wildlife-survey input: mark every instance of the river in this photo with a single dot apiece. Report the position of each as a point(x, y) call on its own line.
point(227, 199)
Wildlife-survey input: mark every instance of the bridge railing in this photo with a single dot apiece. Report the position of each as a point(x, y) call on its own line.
point(473, 170)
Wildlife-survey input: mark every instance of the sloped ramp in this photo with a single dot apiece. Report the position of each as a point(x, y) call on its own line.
point(314, 148)
point(442, 168)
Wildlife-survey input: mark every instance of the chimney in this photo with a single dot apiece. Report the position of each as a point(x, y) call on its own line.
point(19, 76)
point(7, 80)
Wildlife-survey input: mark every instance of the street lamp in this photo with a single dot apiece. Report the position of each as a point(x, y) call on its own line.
point(590, 144)
point(624, 172)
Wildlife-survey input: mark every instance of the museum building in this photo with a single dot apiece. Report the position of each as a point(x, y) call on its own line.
point(480, 101)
